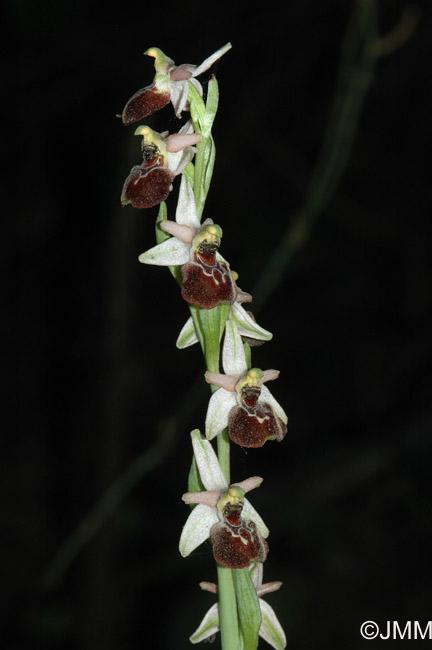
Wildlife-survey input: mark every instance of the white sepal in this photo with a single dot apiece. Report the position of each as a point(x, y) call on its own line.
point(208, 62)
point(256, 571)
point(247, 326)
point(186, 213)
point(187, 335)
point(208, 465)
point(233, 355)
point(266, 396)
point(250, 514)
point(208, 626)
point(220, 405)
point(197, 528)
point(271, 630)
point(171, 252)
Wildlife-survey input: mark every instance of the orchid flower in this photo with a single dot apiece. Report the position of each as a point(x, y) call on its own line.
point(243, 403)
point(164, 157)
point(171, 83)
point(271, 630)
point(207, 278)
point(244, 320)
point(223, 514)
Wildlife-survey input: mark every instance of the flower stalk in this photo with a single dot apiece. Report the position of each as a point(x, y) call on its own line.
point(241, 409)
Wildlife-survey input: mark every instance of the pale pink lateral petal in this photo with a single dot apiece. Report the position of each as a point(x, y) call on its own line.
point(268, 587)
point(269, 375)
point(250, 483)
point(177, 141)
point(209, 586)
point(186, 234)
point(182, 72)
point(228, 382)
point(243, 296)
point(208, 497)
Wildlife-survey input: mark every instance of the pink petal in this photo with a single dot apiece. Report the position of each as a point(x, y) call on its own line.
point(268, 587)
point(269, 375)
point(208, 498)
point(250, 483)
point(224, 381)
point(182, 72)
point(209, 586)
point(186, 234)
point(178, 141)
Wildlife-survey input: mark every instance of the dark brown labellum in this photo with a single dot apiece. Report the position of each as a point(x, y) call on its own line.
point(236, 547)
point(143, 103)
point(146, 187)
point(207, 285)
point(252, 427)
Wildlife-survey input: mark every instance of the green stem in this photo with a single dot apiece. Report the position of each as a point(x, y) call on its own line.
point(228, 619)
point(210, 323)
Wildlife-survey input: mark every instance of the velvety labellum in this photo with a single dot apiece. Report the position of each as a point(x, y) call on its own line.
point(206, 285)
point(252, 427)
point(236, 547)
point(147, 186)
point(144, 102)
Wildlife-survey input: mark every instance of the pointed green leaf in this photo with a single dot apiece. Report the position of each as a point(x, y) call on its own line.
point(197, 108)
point(249, 612)
point(211, 103)
point(162, 216)
point(189, 171)
point(194, 482)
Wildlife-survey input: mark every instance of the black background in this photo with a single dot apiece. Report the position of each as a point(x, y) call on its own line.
point(96, 384)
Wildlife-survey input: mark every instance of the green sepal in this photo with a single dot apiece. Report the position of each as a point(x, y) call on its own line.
point(209, 159)
point(189, 172)
point(248, 355)
point(211, 105)
point(161, 236)
point(194, 481)
point(197, 109)
point(212, 325)
point(248, 608)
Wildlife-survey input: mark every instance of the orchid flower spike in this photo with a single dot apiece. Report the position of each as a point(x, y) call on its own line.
point(243, 403)
point(246, 325)
point(164, 157)
point(271, 630)
point(207, 278)
point(223, 514)
point(171, 83)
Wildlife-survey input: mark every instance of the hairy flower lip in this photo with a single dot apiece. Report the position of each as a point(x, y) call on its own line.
point(206, 514)
point(170, 84)
point(150, 183)
point(226, 398)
